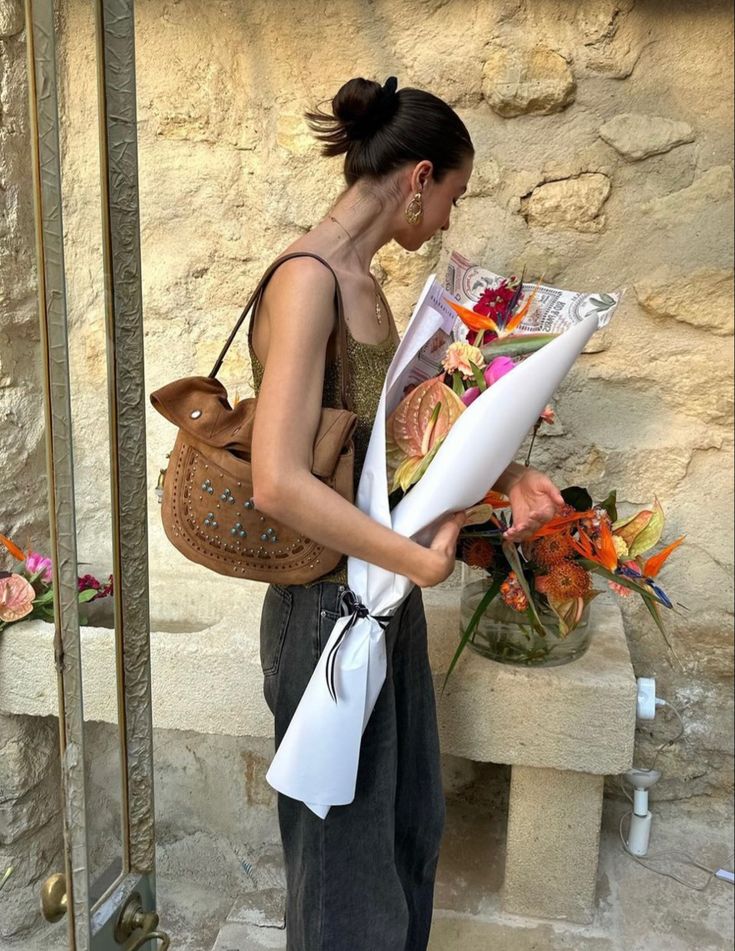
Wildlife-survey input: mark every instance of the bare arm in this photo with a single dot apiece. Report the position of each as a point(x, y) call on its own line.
point(298, 307)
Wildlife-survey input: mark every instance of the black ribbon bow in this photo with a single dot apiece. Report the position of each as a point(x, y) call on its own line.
point(349, 603)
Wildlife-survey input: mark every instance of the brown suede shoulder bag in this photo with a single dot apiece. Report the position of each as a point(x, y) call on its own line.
point(207, 503)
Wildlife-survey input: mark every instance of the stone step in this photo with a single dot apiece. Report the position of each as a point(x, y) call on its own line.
point(636, 910)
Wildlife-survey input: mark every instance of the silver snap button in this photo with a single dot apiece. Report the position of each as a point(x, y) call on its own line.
point(324, 613)
point(195, 413)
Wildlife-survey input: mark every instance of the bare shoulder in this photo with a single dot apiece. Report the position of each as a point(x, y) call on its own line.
point(303, 275)
point(297, 308)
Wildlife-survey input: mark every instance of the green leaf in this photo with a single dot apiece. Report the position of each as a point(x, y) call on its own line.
point(515, 344)
point(87, 595)
point(46, 598)
point(610, 505)
point(511, 553)
point(457, 384)
point(651, 534)
point(577, 497)
point(480, 381)
point(489, 595)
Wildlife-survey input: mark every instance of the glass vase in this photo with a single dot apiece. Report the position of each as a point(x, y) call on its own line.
point(505, 635)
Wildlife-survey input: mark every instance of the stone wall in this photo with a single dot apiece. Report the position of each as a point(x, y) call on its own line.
point(603, 133)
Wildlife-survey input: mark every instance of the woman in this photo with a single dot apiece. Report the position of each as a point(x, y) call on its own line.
point(363, 878)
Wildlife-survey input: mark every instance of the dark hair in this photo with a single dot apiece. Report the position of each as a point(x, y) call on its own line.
point(380, 129)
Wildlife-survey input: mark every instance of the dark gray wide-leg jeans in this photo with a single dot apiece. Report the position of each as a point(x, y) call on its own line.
point(363, 878)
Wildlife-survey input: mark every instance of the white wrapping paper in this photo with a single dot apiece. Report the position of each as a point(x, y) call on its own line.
point(318, 757)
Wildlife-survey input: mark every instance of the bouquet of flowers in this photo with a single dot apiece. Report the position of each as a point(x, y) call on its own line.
point(28, 592)
point(550, 579)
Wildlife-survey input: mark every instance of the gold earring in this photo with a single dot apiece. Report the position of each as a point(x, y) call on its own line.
point(415, 209)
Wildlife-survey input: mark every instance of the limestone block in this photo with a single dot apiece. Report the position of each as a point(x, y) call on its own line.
point(553, 844)
point(31, 811)
point(702, 298)
point(28, 746)
point(637, 136)
point(11, 18)
point(574, 203)
point(579, 716)
point(518, 81)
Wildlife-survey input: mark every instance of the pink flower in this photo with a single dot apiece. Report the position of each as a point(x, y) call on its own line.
point(470, 395)
point(35, 562)
point(16, 597)
point(499, 367)
point(619, 589)
point(548, 415)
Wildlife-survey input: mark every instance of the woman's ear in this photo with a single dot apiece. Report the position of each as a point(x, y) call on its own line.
point(421, 175)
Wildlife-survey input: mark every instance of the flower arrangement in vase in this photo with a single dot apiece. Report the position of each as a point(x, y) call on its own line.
point(27, 592)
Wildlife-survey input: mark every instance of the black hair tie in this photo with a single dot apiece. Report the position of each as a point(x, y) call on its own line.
point(389, 87)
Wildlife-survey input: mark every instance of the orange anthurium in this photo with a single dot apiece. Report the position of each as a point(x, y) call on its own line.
point(656, 562)
point(416, 428)
point(12, 548)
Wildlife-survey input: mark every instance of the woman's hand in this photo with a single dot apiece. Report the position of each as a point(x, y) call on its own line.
point(437, 561)
point(534, 499)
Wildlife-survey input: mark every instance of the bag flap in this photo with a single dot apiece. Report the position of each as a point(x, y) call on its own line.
point(198, 405)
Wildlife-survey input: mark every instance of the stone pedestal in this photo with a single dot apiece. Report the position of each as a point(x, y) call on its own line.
point(561, 729)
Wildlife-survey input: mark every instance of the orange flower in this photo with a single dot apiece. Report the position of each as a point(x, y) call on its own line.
point(656, 562)
point(513, 594)
point(478, 553)
point(566, 580)
point(602, 550)
point(417, 427)
point(12, 548)
point(565, 520)
point(552, 549)
point(496, 499)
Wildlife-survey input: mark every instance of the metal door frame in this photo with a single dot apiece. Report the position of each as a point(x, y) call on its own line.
point(91, 923)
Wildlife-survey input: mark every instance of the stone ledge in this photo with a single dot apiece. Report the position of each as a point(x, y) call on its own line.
point(580, 716)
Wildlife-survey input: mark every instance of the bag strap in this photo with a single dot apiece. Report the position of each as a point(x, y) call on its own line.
point(341, 325)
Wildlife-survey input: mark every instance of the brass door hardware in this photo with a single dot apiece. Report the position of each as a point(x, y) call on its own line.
point(53, 897)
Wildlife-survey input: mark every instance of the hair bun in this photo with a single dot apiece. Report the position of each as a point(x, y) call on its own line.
point(363, 106)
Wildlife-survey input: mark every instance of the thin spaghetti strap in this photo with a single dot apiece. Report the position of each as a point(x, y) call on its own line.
point(255, 298)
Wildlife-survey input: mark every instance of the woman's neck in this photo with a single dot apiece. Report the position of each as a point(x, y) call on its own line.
point(359, 227)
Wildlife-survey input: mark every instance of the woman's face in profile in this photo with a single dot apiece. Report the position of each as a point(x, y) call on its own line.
point(439, 198)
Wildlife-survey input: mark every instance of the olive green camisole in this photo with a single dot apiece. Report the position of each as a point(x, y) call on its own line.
point(367, 366)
